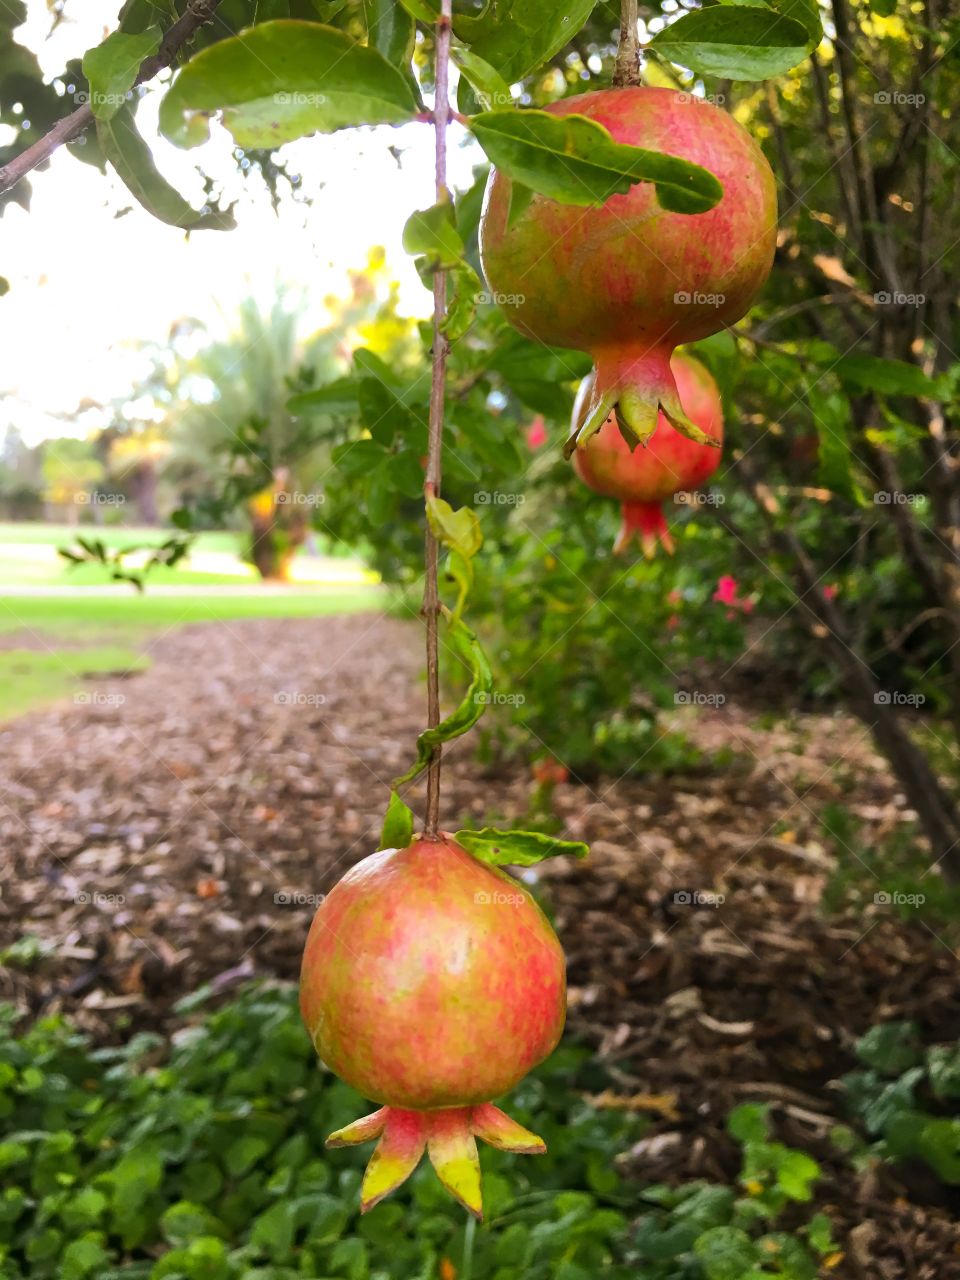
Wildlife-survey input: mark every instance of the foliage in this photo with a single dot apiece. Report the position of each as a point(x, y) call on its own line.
point(208, 1164)
point(702, 1230)
point(203, 1159)
point(907, 1097)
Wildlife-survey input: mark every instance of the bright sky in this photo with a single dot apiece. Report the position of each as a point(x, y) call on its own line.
point(86, 286)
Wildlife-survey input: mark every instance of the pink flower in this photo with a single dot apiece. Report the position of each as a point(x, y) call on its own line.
point(726, 592)
point(830, 591)
point(536, 433)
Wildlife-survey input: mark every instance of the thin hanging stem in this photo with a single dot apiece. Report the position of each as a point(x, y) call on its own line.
point(431, 484)
point(626, 71)
point(466, 1267)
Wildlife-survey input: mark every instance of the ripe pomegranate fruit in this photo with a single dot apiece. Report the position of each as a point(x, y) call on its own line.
point(644, 478)
point(628, 281)
point(431, 983)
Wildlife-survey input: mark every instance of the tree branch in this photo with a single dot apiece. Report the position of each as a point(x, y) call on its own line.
point(197, 14)
point(626, 71)
point(431, 485)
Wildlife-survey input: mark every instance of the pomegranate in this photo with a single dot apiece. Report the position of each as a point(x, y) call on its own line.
point(432, 983)
point(628, 281)
point(644, 478)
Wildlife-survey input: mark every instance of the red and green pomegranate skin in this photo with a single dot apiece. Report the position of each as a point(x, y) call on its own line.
point(432, 983)
point(642, 479)
point(628, 281)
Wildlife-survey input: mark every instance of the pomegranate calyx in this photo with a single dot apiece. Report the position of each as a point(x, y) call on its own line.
point(449, 1136)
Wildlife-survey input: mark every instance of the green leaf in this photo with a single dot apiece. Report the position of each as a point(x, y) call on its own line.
point(465, 287)
point(390, 30)
point(283, 80)
point(806, 13)
point(886, 377)
point(796, 1172)
point(726, 1253)
point(890, 1048)
point(460, 569)
point(748, 1122)
point(426, 11)
point(833, 420)
point(467, 647)
point(738, 42)
point(457, 530)
point(524, 34)
point(574, 160)
point(517, 848)
point(433, 232)
point(939, 1145)
point(943, 1069)
point(339, 396)
point(112, 67)
point(397, 830)
point(491, 89)
point(131, 157)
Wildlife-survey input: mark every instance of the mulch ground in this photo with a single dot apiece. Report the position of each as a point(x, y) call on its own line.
point(174, 828)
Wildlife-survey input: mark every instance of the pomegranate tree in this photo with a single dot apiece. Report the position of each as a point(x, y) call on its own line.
point(643, 479)
point(628, 281)
point(432, 983)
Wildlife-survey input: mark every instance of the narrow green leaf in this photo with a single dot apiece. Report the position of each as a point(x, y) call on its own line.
point(736, 41)
point(460, 570)
point(517, 848)
point(111, 68)
point(465, 291)
point(131, 157)
point(465, 644)
point(397, 824)
point(575, 160)
point(283, 80)
point(433, 232)
point(489, 85)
